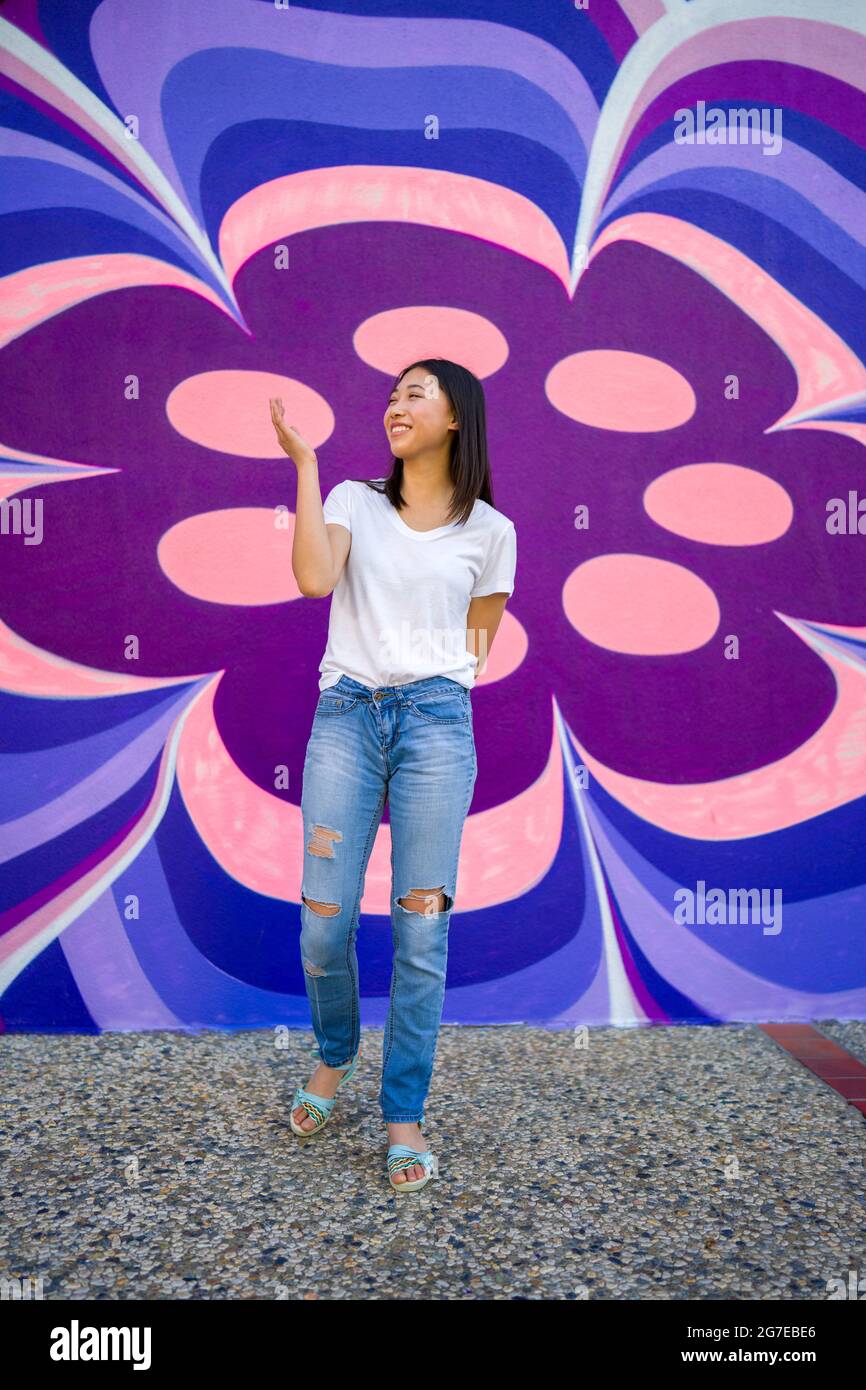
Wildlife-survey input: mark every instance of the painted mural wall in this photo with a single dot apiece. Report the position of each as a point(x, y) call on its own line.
point(641, 224)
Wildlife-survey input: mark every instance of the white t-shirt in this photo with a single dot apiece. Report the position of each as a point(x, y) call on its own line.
point(398, 612)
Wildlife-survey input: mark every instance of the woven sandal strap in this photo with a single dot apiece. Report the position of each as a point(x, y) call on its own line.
point(403, 1156)
point(399, 1165)
point(323, 1104)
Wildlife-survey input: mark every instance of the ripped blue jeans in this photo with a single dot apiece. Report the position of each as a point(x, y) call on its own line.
point(411, 745)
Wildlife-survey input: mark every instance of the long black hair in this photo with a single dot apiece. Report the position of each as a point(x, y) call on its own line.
point(469, 464)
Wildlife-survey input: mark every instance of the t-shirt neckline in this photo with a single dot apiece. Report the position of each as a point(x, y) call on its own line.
point(405, 530)
point(417, 535)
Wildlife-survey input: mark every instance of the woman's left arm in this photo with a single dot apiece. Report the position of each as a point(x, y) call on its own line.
point(482, 621)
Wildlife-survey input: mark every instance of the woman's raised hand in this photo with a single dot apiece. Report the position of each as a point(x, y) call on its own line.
point(292, 443)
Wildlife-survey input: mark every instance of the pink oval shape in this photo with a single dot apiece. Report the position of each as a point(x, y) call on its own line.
point(626, 391)
point(719, 504)
point(640, 605)
point(238, 556)
point(229, 411)
point(392, 339)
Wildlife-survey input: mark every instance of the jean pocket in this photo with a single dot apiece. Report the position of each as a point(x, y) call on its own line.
point(331, 703)
point(442, 706)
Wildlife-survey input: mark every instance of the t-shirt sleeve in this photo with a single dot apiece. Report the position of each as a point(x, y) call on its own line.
point(337, 507)
point(497, 576)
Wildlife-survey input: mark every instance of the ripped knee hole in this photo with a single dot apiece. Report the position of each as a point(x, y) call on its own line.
point(427, 902)
point(322, 841)
point(322, 909)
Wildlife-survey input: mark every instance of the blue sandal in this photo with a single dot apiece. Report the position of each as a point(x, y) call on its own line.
point(400, 1156)
point(318, 1107)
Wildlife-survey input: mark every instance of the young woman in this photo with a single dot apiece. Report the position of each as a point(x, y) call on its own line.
point(420, 565)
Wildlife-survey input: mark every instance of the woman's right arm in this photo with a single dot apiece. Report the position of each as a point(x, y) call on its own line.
point(319, 551)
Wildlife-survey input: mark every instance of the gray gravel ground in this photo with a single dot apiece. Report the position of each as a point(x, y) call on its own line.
point(656, 1163)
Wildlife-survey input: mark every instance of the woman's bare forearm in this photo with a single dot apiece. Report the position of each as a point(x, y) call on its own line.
point(312, 561)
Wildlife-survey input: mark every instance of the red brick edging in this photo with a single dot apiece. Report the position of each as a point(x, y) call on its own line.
point(830, 1062)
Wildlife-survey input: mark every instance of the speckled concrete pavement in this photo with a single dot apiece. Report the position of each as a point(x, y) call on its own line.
point(653, 1164)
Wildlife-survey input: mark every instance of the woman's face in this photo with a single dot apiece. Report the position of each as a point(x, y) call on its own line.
point(418, 403)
